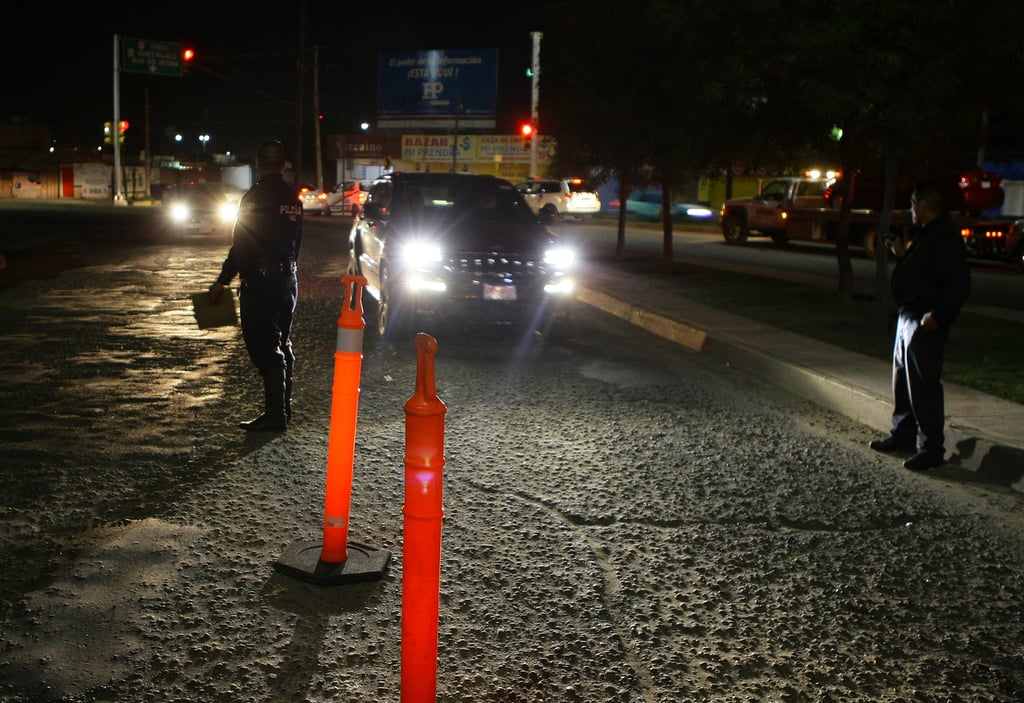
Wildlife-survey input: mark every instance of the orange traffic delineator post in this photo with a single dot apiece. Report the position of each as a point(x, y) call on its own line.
point(337, 560)
point(421, 551)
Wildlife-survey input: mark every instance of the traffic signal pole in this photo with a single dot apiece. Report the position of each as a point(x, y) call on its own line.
point(534, 114)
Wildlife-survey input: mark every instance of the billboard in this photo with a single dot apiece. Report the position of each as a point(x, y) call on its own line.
point(438, 87)
point(363, 146)
point(472, 148)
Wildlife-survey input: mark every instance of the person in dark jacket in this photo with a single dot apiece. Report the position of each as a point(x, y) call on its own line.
point(930, 283)
point(264, 254)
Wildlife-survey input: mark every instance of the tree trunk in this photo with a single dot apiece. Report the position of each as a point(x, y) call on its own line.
point(881, 250)
point(666, 224)
point(843, 262)
point(620, 240)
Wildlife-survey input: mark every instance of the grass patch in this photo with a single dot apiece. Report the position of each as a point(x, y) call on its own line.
point(984, 353)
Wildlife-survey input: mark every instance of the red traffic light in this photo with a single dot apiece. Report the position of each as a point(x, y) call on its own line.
point(122, 126)
point(526, 129)
point(187, 55)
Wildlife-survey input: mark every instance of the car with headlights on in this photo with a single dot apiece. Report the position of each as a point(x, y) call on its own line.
point(455, 246)
point(201, 208)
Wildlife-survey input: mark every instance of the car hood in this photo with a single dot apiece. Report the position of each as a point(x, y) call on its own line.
point(470, 232)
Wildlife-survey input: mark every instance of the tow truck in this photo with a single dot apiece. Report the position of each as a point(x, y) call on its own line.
point(795, 208)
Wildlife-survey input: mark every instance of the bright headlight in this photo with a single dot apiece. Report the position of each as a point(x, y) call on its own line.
point(560, 257)
point(228, 212)
point(560, 286)
point(698, 212)
point(179, 212)
point(421, 253)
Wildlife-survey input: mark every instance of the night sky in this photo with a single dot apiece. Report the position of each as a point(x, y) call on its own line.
point(244, 82)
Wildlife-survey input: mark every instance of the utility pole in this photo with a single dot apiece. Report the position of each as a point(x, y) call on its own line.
point(147, 159)
point(316, 119)
point(115, 136)
point(301, 67)
point(455, 139)
point(534, 113)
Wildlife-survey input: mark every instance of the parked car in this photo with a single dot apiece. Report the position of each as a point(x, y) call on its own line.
point(201, 208)
point(646, 205)
point(552, 199)
point(969, 191)
point(314, 200)
point(436, 246)
point(346, 197)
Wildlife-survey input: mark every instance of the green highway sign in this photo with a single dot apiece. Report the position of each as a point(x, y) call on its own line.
point(157, 58)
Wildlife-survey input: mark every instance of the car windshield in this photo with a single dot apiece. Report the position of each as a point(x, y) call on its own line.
point(578, 186)
point(456, 196)
point(812, 188)
point(200, 194)
point(776, 190)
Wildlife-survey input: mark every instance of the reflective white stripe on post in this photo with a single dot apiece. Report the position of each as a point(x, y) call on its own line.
point(349, 341)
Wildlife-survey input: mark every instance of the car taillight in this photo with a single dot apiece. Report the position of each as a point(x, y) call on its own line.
point(997, 232)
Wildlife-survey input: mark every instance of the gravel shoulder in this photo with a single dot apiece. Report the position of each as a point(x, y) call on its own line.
point(624, 522)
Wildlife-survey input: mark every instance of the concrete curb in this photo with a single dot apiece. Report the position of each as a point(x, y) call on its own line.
point(836, 379)
point(677, 332)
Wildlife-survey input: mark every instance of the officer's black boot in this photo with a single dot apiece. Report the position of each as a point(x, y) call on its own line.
point(288, 391)
point(273, 418)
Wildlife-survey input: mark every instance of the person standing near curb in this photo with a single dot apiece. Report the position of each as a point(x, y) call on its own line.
point(264, 254)
point(930, 284)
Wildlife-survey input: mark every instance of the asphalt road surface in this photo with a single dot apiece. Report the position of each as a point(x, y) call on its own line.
point(625, 520)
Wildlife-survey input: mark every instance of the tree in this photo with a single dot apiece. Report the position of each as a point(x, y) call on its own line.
point(582, 92)
point(678, 86)
point(896, 80)
point(657, 107)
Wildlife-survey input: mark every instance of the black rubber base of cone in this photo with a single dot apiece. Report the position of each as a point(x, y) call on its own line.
point(301, 560)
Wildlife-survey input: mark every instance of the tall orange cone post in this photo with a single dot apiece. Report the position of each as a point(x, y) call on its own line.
point(421, 553)
point(336, 560)
point(341, 440)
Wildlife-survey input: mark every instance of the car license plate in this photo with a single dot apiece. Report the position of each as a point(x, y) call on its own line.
point(502, 292)
point(985, 185)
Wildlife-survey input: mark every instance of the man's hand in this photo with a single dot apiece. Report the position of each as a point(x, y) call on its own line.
point(895, 244)
point(929, 323)
point(216, 290)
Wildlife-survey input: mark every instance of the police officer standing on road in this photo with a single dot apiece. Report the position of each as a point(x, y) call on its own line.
point(929, 284)
point(264, 253)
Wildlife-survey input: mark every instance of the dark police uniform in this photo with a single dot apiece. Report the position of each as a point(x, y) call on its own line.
point(933, 276)
point(264, 254)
